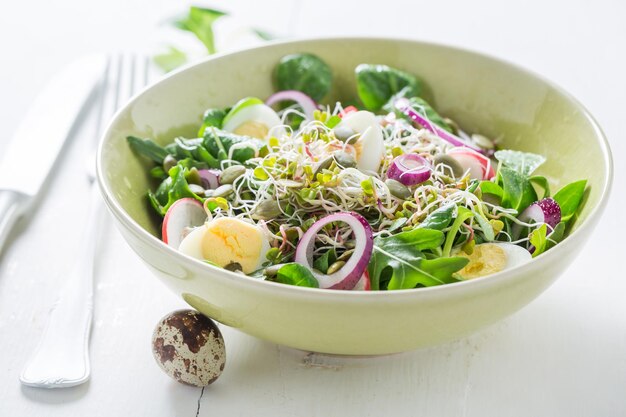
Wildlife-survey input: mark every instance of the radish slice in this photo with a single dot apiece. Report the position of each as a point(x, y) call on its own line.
point(404, 106)
point(210, 178)
point(545, 211)
point(183, 214)
point(364, 283)
point(347, 277)
point(478, 165)
point(307, 104)
point(409, 169)
point(347, 111)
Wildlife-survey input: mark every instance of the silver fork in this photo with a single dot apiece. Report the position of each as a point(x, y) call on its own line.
point(62, 357)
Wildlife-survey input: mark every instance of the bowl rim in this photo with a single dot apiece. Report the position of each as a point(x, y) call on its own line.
point(289, 290)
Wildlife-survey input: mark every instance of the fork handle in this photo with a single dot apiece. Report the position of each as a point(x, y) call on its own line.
point(12, 206)
point(62, 357)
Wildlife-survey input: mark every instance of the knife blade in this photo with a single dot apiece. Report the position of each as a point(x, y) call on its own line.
point(41, 135)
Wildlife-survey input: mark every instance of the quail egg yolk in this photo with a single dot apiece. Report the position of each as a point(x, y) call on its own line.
point(227, 240)
point(486, 259)
point(253, 129)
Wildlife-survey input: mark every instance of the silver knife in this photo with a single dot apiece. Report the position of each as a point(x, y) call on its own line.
point(41, 135)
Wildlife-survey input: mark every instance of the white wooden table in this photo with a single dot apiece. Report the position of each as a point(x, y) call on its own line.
point(563, 355)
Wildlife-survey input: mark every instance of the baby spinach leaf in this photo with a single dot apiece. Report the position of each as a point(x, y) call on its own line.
point(212, 117)
point(569, 198)
point(488, 187)
point(556, 236)
point(518, 193)
point(304, 72)
point(376, 84)
point(327, 259)
point(171, 189)
point(296, 274)
point(400, 259)
point(524, 163)
point(147, 148)
point(199, 21)
point(541, 182)
point(219, 143)
point(183, 148)
point(440, 218)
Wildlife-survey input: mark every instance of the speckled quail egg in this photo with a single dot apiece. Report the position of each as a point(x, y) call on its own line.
point(189, 347)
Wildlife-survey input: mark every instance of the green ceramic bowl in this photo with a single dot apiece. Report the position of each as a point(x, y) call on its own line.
point(481, 93)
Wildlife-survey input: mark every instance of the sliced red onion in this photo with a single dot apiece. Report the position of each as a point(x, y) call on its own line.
point(307, 103)
point(210, 178)
point(404, 106)
point(183, 214)
point(409, 169)
point(347, 277)
point(545, 211)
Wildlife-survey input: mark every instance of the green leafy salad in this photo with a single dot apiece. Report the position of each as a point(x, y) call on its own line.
point(383, 193)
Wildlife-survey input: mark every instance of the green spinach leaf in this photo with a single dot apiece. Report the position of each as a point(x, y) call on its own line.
point(219, 143)
point(296, 274)
point(327, 259)
point(171, 189)
point(538, 239)
point(440, 218)
point(569, 198)
point(376, 84)
point(304, 72)
point(212, 118)
point(541, 182)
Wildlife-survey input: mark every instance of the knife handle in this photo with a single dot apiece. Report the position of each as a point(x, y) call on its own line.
point(12, 206)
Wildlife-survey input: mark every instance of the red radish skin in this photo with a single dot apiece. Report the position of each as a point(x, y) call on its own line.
point(478, 165)
point(184, 213)
point(347, 111)
point(364, 283)
point(348, 276)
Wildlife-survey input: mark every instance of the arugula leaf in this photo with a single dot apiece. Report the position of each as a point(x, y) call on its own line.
point(199, 21)
point(518, 193)
point(296, 274)
point(462, 215)
point(400, 259)
point(523, 163)
point(440, 218)
point(376, 84)
point(569, 198)
point(147, 148)
point(537, 238)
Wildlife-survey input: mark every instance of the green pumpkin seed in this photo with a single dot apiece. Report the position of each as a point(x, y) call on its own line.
point(266, 210)
point(450, 162)
point(193, 176)
point(230, 174)
point(335, 267)
point(169, 162)
point(343, 133)
point(482, 141)
point(397, 189)
point(196, 189)
point(324, 164)
point(272, 270)
point(344, 159)
point(346, 255)
point(222, 191)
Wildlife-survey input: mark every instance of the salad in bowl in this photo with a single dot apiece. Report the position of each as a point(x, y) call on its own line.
point(377, 194)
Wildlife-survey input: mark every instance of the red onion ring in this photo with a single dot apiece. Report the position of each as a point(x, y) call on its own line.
point(409, 169)
point(347, 277)
point(307, 103)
